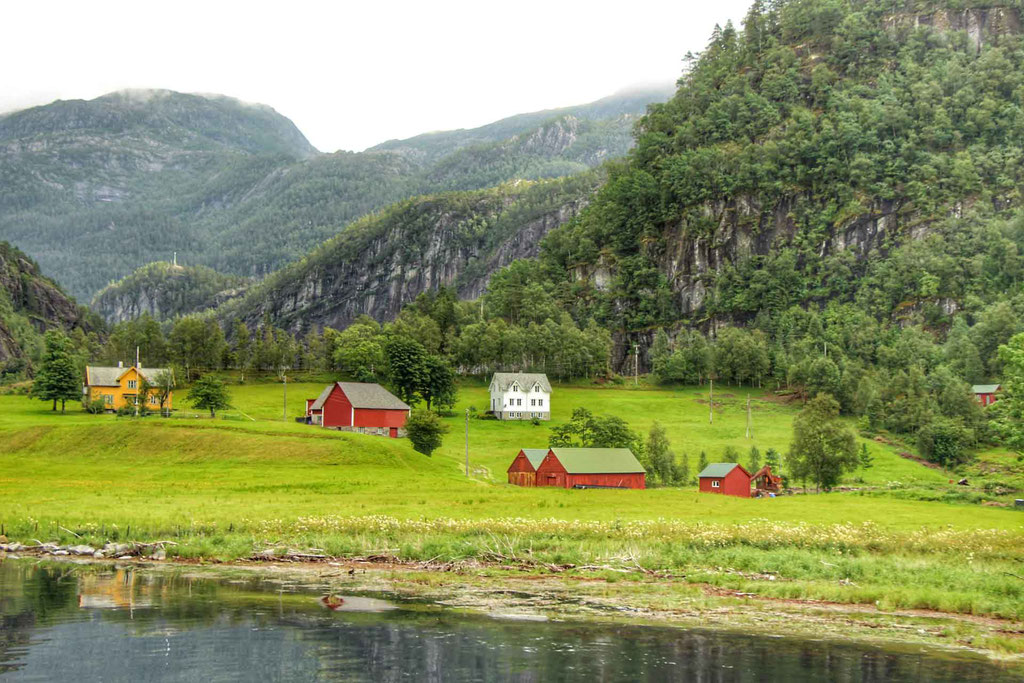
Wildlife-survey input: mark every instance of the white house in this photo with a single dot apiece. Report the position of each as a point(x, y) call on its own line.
point(521, 396)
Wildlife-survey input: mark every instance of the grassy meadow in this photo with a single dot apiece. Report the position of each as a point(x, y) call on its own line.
point(249, 481)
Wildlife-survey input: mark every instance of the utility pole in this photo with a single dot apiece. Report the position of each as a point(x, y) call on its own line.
point(636, 364)
point(467, 442)
point(284, 376)
point(711, 401)
point(750, 430)
point(138, 381)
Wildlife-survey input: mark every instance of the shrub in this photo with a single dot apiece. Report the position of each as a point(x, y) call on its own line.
point(425, 430)
point(96, 406)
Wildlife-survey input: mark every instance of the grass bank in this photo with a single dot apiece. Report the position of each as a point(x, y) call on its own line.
point(228, 488)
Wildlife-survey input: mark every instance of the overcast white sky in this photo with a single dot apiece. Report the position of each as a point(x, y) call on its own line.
point(351, 75)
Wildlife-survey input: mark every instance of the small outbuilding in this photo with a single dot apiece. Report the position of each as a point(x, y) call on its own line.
point(584, 468)
point(523, 470)
point(358, 407)
point(729, 478)
point(766, 482)
point(986, 393)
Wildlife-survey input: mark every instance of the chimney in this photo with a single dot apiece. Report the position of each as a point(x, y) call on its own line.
point(120, 363)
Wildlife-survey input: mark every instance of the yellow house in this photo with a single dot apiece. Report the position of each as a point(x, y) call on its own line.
point(119, 387)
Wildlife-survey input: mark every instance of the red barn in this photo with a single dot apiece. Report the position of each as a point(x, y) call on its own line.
point(523, 470)
point(358, 407)
point(725, 477)
point(610, 468)
point(986, 393)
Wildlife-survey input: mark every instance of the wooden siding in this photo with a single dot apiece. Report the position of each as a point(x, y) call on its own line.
point(736, 483)
point(337, 410)
point(552, 473)
point(374, 417)
point(521, 472)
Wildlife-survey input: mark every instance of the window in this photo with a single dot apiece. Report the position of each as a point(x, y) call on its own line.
point(152, 399)
point(131, 384)
point(540, 402)
point(515, 387)
point(533, 402)
point(715, 484)
point(108, 399)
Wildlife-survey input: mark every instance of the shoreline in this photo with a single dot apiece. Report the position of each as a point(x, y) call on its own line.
point(638, 598)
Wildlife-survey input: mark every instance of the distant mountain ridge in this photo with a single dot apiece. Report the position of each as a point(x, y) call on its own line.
point(96, 189)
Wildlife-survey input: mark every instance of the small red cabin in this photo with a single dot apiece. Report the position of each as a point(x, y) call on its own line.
point(358, 406)
point(580, 468)
point(523, 470)
point(986, 393)
point(725, 477)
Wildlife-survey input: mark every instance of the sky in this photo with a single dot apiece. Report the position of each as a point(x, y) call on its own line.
point(351, 75)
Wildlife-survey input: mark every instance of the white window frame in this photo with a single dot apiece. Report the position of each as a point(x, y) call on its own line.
point(715, 484)
point(540, 403)
point(132, 384)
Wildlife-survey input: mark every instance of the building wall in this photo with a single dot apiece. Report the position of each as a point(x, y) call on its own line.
point(552, 473)
point(124, 395)
point(337, 411)
point(371, 417)
point(521, 472)
point(736, 483)
point(523, 403)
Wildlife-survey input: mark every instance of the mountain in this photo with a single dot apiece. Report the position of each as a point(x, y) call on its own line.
point(625, 104)
point(95, 189)
point(30, 304)
point(384, 261)
point(163, 291)
point(865, 153)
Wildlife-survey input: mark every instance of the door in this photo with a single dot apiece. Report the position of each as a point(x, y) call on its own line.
point(393, 433)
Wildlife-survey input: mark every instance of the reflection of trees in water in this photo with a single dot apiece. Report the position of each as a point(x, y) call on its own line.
point(216, 627)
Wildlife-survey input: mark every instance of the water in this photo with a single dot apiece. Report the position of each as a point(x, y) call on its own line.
point(59, 622)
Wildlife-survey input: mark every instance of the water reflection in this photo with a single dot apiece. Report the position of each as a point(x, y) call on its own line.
point(97, 623)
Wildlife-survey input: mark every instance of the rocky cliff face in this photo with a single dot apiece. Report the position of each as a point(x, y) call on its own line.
point(164, 290)
point(28, 299)
point(378, 265)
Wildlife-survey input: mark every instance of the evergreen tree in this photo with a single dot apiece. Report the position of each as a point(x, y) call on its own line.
point(702, 462)
point(58, 377)
point(866, 460)
point(659, 455)
point(683, 473)
point(754, 460)
point(661, 351)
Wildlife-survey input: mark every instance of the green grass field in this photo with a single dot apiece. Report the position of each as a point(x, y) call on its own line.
point(250, 480)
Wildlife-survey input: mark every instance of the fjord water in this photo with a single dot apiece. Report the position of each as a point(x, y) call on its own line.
point(92, 623)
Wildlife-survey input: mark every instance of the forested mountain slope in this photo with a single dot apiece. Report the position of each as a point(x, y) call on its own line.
point(868, 152)
point(29, 305)
point(384, 261)
point(163, 291)
point(96, 189)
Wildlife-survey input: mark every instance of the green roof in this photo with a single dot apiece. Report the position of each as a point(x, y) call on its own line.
point(535, 455)
point(985, 388)
point(719, 469)
point(598, 460)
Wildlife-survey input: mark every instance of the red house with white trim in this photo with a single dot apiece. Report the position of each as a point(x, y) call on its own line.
point(728, 478)
point(358, 407)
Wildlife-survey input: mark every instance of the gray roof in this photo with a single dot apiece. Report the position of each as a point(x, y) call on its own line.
point(363, 395)
point(598, 460)
point(100, 376)
point(985, 388)
point(535, 455)
point(720, 469)
point(526, 380)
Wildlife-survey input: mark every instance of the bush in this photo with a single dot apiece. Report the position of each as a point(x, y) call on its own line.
point(96, 406)
point(126, 411)
point(945, 441)
point(425, 430)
